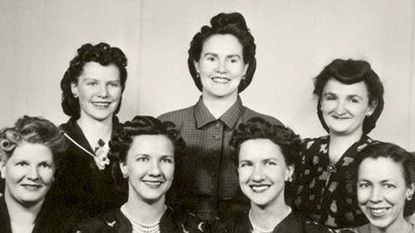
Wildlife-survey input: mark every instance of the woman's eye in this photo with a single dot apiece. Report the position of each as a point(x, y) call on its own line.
point(45, 165)
point(363, 185)
point(329, 98)
point(114, 84)
point(142, 159)
point(210, 58)
point(91, 83)
point(389, 186)
point(243, 164)
point(354, 100)
point(22, 164)
point(271, 163)
point(167, 160)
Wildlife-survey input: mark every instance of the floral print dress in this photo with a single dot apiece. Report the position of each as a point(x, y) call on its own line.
point(326, 192)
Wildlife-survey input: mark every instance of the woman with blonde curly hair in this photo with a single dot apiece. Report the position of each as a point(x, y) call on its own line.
point(30, 151)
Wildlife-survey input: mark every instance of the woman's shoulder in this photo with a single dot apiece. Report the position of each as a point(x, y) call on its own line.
point(249, 113)
point(177, 116)
point(112, 221)
point(182, 221)
point(235, 223)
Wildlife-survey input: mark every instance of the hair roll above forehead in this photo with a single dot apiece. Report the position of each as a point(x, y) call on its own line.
point(224, 23)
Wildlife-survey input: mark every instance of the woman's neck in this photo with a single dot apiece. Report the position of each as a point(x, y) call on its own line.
point(218, 106)
point(339, 144)
point(144, 212)
point(24, 216)
point(95, 130)
point(269, 217)
point(399, 225)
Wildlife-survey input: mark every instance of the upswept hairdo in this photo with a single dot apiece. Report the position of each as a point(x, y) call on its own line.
point(34, 130)
point(101, 53)
point(350, 72)
point(258, 128)
point(400, 156)
point(224, 23)
point(143, 125)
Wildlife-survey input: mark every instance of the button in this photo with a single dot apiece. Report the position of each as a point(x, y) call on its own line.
point(217, 137)
point(218, 124)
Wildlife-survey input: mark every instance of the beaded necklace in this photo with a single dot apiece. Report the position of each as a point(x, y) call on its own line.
point(140, 227)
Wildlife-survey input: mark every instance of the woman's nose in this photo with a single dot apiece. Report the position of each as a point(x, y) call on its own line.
point(33, 173)
point(340, 107)
point(154, 169)
point(257, 173)
point(221, 66)
point(103, 91)
point(375, 195)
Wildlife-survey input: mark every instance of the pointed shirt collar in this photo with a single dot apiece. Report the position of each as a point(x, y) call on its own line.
point(229, 118)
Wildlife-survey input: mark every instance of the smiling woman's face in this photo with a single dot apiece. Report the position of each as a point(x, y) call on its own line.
point(149, 167)
point(28, 173)
point(262, 172)
point(382, 191)
point(221, 66)
point(344, 107)
point(98, 90)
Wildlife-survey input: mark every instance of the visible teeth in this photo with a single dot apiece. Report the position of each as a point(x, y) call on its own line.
point(259, 188)
point(101, 104)
point(220, 80)
point(153, 184)
point(378, 211)
point(32, 187)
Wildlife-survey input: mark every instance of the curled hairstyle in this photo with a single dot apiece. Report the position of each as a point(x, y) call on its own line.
point(258, 128)
point(101, 53)
point(34, 130)
point(143, 125)
point(224, 23)
point(350, 72)
point(397, 154)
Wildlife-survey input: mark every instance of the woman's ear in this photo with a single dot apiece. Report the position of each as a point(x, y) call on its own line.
point(410, 192)
point(2, 168)
point(244, 72)
point(372, 107)
point(196, 64)
point(289, 173)
point(74, 89)
point(124, 170)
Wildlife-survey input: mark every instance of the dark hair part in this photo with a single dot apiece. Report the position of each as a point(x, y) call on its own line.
point(34, 130)
point(101, 53)
point(224, 23)
point(350, 72)
point(258, 128)
point(143, 125)
point(399, 155)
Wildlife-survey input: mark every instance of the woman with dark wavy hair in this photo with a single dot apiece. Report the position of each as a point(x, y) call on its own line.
point(30, 153)
point(350, 101)
point(222, 63)
point(385, 185)
point(146, 151)
point(265, 155)
point(92, 88)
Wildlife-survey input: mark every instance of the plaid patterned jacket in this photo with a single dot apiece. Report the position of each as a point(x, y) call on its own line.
point(208, 173)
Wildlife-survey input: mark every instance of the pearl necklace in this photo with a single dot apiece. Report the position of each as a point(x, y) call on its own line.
point(141, 227)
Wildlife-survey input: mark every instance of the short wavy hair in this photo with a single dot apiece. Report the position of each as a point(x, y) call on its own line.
point(397, 154)
point(224, 23)
point(350, 72)
point(34, 130)
point(101, 53)
point(143, 125)
point(258, 128)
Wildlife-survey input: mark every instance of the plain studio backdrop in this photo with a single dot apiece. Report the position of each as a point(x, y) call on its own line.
point(295, 40)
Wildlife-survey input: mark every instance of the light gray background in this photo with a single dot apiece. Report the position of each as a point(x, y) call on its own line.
point(295, 40)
